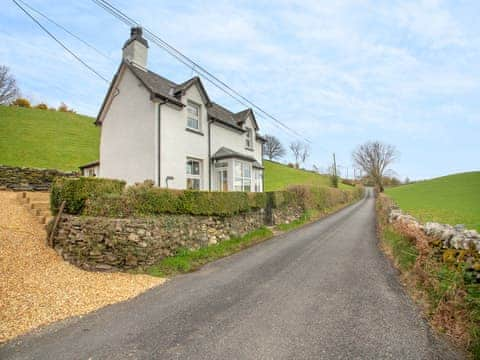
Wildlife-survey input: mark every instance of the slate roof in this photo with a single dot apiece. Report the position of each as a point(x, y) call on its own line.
point(156, 84)
point(172, 92)
point(90, 164)
point(226, 153)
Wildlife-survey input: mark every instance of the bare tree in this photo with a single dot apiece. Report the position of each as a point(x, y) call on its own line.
point(8, 86)
point(273, 148)
point(300, 151)
point(305, 154)
point(373, 158)
point(296, 148)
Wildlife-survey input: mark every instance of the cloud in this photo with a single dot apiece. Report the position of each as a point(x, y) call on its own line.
point(341, 72)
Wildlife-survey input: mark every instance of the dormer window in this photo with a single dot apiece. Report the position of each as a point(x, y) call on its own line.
point(193, 115)
point(249, 139)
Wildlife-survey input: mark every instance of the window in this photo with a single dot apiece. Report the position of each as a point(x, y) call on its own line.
point(248, 139)
point(243, 176)
point(193, 174)
point(193, 115)
point(258, 180)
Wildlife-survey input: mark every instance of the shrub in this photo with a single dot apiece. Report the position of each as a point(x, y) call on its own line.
point(145, 200)
point(75, 191)
point(334, 181)
point(22, 102)
point(41, 106)
point(257, 200)
point(63, 107)
point(321, 197)
point(348, 182)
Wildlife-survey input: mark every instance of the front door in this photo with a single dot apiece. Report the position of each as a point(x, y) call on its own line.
point(222, 180)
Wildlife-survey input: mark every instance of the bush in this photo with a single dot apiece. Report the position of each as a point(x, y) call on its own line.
point(75, 191)
point(22, 102)
point(41, 106)
point(145, 200)
point(63, 107)
point(334, 181)
point(321, 198)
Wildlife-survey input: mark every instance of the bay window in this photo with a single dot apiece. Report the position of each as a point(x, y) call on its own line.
point(258, 180)
point(193, 174)
point(243, 176)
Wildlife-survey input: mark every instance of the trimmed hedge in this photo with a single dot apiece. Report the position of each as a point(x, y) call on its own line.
point(145, 200)
point(320, 198)
point(108, 198)
point(75, 191)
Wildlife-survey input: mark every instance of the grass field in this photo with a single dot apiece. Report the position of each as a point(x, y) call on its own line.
point(453, 199)
point(58, 140)
point(279, 176)
point(46, 139)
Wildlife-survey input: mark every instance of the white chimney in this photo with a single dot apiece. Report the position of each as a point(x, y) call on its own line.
point(135, 49)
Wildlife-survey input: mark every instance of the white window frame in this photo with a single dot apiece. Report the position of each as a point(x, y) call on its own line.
point(192, 104)
point(242, 181)
point(249, 138)
point(258, 175)
point(191, 176)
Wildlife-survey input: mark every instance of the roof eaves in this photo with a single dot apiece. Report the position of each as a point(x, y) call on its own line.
point(90, 164)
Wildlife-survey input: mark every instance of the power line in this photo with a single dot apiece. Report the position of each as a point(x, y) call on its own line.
point(65, 29)
point(221, 85)
point(60, 43)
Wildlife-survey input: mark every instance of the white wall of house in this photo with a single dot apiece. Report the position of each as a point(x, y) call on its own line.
point(127, 146)
point(178, 144)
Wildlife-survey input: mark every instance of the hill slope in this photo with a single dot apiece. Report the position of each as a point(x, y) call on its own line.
point(50, 139)
point(453, 199)
point(279, 176)
point(47, 139)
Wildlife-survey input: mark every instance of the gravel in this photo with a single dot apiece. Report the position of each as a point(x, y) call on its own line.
point(37, 287)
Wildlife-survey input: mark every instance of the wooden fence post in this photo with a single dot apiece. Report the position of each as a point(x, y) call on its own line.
point(55, 224)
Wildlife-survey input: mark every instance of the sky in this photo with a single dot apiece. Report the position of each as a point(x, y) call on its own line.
point(340, 72)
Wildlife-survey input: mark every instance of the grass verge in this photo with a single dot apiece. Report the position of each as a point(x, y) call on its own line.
point(186, 260)
point(446, 289)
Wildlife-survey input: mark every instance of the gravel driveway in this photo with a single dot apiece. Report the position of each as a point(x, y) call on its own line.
point(37, 287)
point(321, 292)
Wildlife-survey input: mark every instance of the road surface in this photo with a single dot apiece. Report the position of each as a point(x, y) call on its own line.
point(320, 292)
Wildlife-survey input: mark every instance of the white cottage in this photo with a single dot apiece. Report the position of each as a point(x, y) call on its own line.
point(173, 134)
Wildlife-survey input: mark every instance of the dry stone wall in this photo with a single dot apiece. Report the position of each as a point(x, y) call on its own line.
point(107, 244)
point(28, 179)
point(454, 237)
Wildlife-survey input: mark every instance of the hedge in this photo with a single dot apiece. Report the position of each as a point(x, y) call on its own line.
point(108, 198)
point(320, 197)
point(75, 191)
point(144, 200)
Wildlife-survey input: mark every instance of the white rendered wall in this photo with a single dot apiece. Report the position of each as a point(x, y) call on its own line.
point(127, 146)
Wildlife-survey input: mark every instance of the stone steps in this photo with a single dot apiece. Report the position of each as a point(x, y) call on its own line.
point(38, 204)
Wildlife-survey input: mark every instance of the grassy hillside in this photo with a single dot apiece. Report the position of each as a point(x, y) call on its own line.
point(51, 139)
point(278, 177)
point(453, 199)
point(46, 139)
